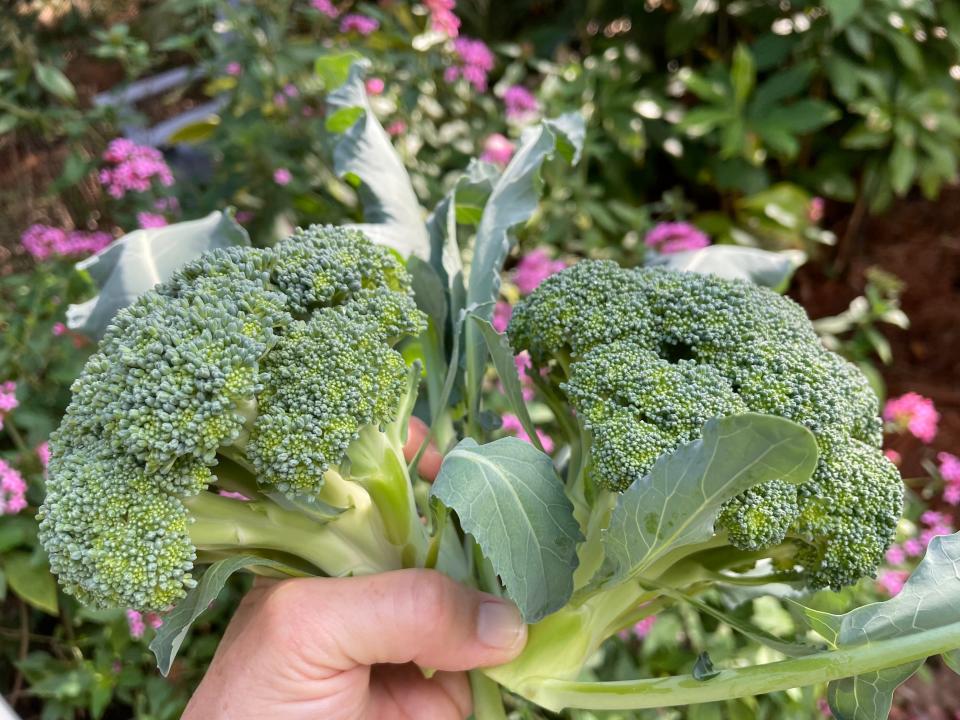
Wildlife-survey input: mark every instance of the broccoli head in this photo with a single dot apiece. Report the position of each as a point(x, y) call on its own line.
point(645, 356)
point(252, 370)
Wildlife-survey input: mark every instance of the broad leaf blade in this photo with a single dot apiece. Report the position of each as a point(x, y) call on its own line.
point(677, 503)
point(29, 577)
point(364, 154)
point(177, 622)
point(513, 200)
point(927, 601)
point(762, 267)
point(509, 498)
point(503, 361)
point(134, 263)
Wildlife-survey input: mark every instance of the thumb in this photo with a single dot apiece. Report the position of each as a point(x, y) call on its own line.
point(419, 616)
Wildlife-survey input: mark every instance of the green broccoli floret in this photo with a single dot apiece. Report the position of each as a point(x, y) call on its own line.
point(269, 372)
point(644, 357)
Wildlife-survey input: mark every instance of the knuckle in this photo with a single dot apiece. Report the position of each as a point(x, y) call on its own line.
point(431, 595)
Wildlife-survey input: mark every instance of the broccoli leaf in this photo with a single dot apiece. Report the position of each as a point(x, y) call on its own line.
point(133, 264)
point(927, 601)
point(177, 622)
point(512, 202)
point(770, 269)
point(677, 503)
point(508, 496)
point(503, 360)
point(364, 156)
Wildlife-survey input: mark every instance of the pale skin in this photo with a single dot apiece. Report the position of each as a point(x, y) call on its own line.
point(352, 648)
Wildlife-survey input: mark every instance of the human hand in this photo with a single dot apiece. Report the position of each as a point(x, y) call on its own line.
point(349, 648)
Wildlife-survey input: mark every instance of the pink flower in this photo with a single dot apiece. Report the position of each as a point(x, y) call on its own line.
point(361, 24)
point(671, 237)
point(282, 176)
point(326, 7)
point(520, 102)
point(44, 242)
point(8, 397)
point(895, 555)
point(913, 547)
point(442, 17)
point(374, 86)
point(13, 490)
point(397, 127)
point(642, 628)
point(893, 456)
point(951, 495)
point(476, 61)
point(233, 495)
point(234, 69)
point(824, 707)
point(497, 149)
point(892, 581)
point(43, 452)
point(133, 168)
point(136, 624)
point(244, 216)
point(512, 425)
point(914, 413)
point(59, 329)
point(533, 268)
point(151, 220)
point(949, 467)
point(815, 210)
point(932, 518)
point(291, 91)
point(501, 316)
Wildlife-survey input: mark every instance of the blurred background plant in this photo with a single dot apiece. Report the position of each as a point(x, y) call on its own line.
point(787, 126)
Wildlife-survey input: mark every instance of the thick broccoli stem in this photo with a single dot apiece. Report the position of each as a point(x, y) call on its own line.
point(744, 682)
point(347, 545)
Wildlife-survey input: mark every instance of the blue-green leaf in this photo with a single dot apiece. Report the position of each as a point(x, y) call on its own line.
point(503, 360)
point(927, 601)
point(513, 200)
point(363, 153)
point(130, 266)
point(509, 498)
point(170, 636)
point(762, 267)
point(677, 503)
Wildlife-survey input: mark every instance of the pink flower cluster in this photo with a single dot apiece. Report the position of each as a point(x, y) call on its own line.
point(13, 490)
point(282, 176)
point(950, 472)
point(326, 7)
point(672, 237)
point(442, 17)
point(512, 425)
point(497, 149)
point(354, 22)
point(234, 69)
point(8, 399)
point(520, 102)
point(476, 62)
point(374, 86)
point(914, 413)
point(44, 242)
point(138, 622)
point(640, 630)
point(132, 168)
point(502, 312)
point(151, 220)
point(43, 452)
point(533, 268)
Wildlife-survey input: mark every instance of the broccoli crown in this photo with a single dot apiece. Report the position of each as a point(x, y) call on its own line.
point(646, 356)
point(276, 357)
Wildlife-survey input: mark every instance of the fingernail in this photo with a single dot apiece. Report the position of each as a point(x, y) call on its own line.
point(499, 625)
